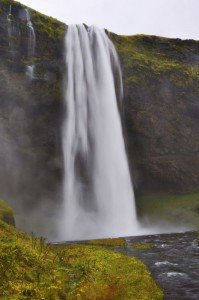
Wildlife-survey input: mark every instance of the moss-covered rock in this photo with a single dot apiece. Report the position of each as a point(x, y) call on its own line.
point(6, 213)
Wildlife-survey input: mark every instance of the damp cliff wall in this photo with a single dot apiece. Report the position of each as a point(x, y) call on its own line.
point(160, 111)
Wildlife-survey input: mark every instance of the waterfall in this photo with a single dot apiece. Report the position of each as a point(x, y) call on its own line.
point(14, 33)
point(31, 35)
point(30, 73)
point(11, 28)
point(30, 69)
point(98, 194)
point(9, 21)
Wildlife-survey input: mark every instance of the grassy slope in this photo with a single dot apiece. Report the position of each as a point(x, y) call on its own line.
point(6, 213)
point(30, 269)
point(174, 209)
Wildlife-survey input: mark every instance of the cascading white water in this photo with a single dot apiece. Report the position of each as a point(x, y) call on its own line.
point(9, 21)
point(31, 35)
point(30, 70)
point(98, 194)
point(30, 73)
point(11, 28)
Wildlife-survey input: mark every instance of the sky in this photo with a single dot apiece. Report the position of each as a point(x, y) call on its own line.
point(169, 18)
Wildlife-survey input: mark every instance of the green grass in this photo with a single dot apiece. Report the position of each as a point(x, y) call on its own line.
point(115, 242)
point(31, 269)
point(173, 209)
point(6, 213)
point(143, 246)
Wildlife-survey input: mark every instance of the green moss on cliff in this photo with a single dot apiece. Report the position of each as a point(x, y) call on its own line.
point(30, 269)
point(180, 210)
point(5, 5)
point(144, 55)
point(49, 34)
point(49, 26)
point(49, 31)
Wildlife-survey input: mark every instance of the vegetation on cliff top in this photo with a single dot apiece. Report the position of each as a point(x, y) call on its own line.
point(147, 55)
point(47, 24)
point(31, 269)
point(49, 31)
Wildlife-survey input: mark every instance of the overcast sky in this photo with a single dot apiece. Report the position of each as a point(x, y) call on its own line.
point(171, 18)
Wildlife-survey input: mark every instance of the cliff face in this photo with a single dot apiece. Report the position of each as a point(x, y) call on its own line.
point(30, 108)
point(161, 83)
point(161, 111)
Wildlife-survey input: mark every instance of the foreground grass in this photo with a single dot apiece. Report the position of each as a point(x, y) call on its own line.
point(30, 269)
point(179, 210)
point(6, 213)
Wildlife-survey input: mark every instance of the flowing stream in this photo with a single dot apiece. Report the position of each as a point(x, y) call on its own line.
point(98, 194)
point(173, 262)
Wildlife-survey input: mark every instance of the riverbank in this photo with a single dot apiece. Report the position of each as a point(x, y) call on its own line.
point(32, 269)
point(173, 261)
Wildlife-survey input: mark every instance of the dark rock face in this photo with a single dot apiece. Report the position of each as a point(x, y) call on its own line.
point(161, 83)
point(30, 111)
point(161, 111)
